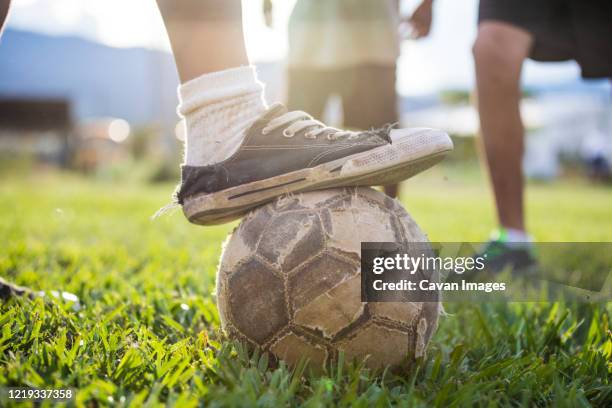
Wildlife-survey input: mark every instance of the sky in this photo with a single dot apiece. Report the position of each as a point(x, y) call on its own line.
point(441, 61)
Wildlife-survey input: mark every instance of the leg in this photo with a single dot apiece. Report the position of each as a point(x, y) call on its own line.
point(206, 35)
point(308, 90)
point(370, 101)
point(368, 96)
point(392, 190)
point(499, 52)
point(220, 94)
point(4, 9)
point(8, 290)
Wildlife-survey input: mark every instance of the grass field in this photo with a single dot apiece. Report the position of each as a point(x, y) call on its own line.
point(147, 332)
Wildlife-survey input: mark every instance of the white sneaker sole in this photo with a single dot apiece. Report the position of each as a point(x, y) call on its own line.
point(411, 152)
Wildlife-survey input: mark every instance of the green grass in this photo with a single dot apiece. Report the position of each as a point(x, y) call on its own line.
point(148, 330)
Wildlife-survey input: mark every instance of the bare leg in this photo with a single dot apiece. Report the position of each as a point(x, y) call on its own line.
point(499, 52)
point(4, 8)
point(206, 35)
point(392, 190)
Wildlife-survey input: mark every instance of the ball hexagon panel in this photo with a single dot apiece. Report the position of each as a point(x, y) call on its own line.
point(333, 310)
point(254, 223)
point(383, 201)
point(380, 346)
point(410, 230)
point(426, 325)
point(362, 223)
point(222, 298)
point(291, 239)
point(257, 301)
point(406, 313)
point(291, 348)
point(317, 276)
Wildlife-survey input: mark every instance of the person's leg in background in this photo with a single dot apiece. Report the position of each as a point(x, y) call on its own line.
point(7, 289)
point(4, 9)
point(369, 100)
point(308, 90)
point(392, 190)
point(499, 52)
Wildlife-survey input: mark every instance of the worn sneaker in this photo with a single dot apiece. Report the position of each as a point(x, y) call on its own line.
point(288, 152)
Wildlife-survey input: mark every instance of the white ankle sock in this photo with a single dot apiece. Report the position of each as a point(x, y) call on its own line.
point(218, 108)
point(512, 235)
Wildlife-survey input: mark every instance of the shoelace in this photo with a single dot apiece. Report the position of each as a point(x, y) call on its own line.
point(298, 121)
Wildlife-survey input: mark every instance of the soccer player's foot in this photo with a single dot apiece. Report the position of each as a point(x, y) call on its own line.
point(500, 253)
point(285, 152)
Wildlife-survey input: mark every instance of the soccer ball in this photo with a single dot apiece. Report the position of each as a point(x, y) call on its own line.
point(289, 281)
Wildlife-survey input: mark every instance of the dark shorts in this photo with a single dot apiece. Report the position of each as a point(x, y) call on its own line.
point(368, 93)
point(563, 30)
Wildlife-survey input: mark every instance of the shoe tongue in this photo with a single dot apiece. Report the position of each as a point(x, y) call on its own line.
point(274, 111)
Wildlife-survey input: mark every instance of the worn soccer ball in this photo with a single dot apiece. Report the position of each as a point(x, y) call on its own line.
point(289, 281)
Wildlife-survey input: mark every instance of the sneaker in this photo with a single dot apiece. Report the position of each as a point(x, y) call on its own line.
point(289, 152)
point(500, 255)
point(9, 290)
